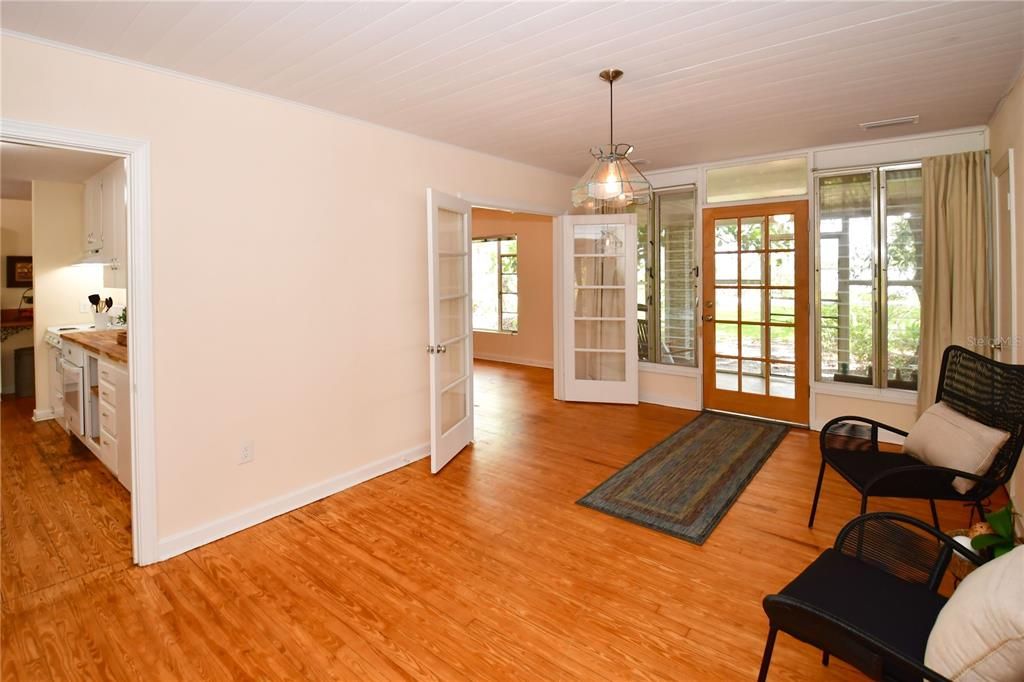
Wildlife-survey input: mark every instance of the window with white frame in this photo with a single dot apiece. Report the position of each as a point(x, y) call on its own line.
point(667, 278)
point(870, 259)
point(496, 284)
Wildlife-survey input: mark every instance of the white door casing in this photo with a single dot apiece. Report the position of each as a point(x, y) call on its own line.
point(597, 333)
point(1006, 289)
point(145, 535)
point(450, 335)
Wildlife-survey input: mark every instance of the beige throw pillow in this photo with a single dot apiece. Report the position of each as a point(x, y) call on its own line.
point(944, 437)
point(979, 634)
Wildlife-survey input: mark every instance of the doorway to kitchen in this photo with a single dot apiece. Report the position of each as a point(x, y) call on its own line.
point(103, 238)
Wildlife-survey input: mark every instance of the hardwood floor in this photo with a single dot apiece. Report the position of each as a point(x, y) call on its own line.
point(487, 571)
point(64, 516)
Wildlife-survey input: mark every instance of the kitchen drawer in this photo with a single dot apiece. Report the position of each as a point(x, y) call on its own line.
point(108, 419)
point(109, 374)
point(108, 393)
point(108, 451)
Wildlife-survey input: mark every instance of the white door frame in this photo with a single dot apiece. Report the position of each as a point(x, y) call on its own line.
point(1008, 193)
point(140, 341)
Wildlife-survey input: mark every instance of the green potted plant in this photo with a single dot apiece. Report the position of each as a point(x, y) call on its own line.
point(1002, 537)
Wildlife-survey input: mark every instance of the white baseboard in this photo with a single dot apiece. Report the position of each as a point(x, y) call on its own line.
point(513, 360)
point(42, 415)
point(215, 530)
point(669, 401)
point(883, 435)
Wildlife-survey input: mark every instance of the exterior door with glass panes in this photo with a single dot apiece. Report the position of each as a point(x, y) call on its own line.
point(599, 309)
point(754, 310)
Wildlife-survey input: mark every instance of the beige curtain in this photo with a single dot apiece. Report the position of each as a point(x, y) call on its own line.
point(956, 305)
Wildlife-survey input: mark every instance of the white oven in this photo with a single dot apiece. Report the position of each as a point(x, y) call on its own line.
point(56, 357)
point(74, 390)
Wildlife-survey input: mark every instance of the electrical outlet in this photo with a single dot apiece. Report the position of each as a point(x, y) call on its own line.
point(84, 307)
point(247, 453)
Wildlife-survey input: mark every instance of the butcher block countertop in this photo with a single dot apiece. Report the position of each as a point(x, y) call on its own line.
point(102, 342)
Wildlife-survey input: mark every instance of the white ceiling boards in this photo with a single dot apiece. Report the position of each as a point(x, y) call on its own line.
point(705, 81)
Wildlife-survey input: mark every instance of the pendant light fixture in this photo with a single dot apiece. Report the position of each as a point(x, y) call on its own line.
point(612, 182)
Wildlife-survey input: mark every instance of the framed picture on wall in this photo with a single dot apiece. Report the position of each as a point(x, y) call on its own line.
point(19, 271)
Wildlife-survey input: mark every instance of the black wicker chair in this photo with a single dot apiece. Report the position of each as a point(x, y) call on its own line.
point(872, 599)
point(987, 391)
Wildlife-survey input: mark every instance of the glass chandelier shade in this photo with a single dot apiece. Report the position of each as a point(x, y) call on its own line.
point(612, 182)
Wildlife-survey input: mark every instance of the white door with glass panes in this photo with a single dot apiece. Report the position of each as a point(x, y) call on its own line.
point(599, 309)
point(450, 338)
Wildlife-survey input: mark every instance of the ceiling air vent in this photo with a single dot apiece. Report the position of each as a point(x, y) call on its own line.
point(886, 122)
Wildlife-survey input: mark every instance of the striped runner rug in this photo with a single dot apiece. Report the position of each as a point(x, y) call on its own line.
point(685, 484)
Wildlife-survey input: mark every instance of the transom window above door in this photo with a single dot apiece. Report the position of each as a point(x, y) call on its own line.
point(496, 284)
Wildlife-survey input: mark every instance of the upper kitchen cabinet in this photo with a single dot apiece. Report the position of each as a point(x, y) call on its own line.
point(115, 237)
point(105, 236)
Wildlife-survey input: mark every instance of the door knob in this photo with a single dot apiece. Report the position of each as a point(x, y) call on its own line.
point(709, 318)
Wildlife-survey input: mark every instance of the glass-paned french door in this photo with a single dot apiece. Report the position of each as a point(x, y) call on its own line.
point(599, 309)
point(450, 331)
point(755, 323)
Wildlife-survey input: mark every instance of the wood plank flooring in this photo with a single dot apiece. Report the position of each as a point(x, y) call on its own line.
point(487, 571)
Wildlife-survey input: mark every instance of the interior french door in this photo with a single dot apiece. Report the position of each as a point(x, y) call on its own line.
point(600, 362)
point(755, 310)
point(450, 337)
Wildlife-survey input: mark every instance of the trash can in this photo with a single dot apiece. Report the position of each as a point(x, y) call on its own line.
point(25, 372)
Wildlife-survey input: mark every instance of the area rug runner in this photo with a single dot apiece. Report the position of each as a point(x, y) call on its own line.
point(685, 484)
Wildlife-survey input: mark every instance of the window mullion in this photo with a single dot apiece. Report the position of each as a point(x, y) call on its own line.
point(653, 287)
point(881, 263)
point(501, 294)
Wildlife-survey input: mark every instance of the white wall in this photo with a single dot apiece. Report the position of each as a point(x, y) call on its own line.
point(59, 286)
point(682, 388)
point(289, 275)
point(15, 240)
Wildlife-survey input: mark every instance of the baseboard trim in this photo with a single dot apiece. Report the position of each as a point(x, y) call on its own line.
point(42, 415)
point(669, 401)
point(513, 360)
point(180, 543)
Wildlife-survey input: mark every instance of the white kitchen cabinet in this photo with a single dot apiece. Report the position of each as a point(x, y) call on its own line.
point(92, 232)
point(115, 420)
point(115, 236)
point(104, 237)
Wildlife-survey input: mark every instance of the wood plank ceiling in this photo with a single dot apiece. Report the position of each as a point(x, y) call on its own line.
point(704, 81)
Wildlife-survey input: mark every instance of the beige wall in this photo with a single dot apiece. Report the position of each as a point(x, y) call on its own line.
point(289, 273)
point(533, 345)
point(60, 287)
point(15, 240)
point(1006, 131)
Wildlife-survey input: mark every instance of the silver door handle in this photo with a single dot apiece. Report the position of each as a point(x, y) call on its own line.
point(442, 349)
